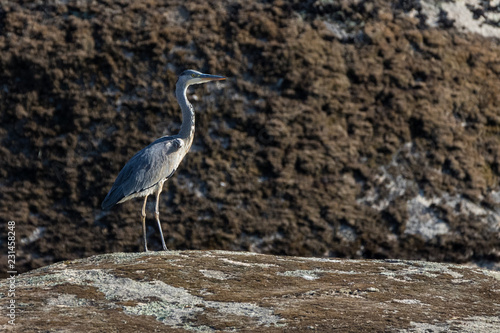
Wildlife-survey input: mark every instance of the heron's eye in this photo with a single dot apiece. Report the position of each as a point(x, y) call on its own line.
point(193, 75)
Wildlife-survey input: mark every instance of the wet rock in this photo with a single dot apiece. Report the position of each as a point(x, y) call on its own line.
point(350, 129)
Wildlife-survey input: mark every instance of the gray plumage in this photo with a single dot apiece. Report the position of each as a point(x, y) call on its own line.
point(144, 170)
point(145, 173)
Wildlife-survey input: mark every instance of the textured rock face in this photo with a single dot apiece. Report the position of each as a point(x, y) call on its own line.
point(246, 292)
point(346, 128)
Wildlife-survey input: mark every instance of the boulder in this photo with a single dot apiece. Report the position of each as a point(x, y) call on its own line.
point(211, 291)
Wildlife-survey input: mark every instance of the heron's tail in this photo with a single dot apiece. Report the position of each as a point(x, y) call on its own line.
point(111, 199)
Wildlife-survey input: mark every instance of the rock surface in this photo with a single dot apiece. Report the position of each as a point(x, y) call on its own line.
point(209, 291)
point(359, 129)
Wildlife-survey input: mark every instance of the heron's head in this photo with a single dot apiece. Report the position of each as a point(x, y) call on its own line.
point(190, 77)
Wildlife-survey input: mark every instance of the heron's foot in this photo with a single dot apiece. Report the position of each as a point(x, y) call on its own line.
point(165, 249)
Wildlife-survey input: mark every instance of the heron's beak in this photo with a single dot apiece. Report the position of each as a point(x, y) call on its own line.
point(208, 77)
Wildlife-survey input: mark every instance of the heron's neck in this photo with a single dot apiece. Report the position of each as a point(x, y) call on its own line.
point(187, 127)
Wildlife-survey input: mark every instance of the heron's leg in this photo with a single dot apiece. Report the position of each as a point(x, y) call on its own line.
point(144, 224)
point(157, 215)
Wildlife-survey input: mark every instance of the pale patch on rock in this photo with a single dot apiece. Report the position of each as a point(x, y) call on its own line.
point(214, 274)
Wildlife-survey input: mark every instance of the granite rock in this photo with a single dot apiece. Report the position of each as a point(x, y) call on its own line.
point(214, 291)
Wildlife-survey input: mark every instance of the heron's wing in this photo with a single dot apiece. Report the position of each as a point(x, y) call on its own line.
point(145, 169)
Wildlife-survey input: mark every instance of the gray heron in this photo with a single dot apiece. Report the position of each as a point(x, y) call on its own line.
point(145, 173)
